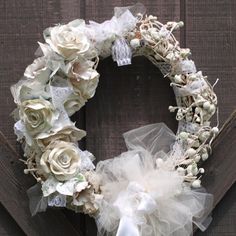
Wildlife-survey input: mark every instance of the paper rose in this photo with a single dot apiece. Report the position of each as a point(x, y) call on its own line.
point(62, 159)
point(68, 133)
point(82, 69)
point(87, 200)
point(68, 40)
point(73, 103)
point(34, 69)
point(85, 88)
point(37, 115)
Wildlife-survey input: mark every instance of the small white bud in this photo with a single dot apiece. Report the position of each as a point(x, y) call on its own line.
point(190, 152)
point(181, 23)
point(197, 158)
point(171, 108)
point(156, 36)
point(183, 135)
point(215, 130)
point(204, 156)
point(212, 108)
point(178, 79)
point(204, 136)
point(134, 43)
point(201, 170)
point(196, 144)
point(38, 179)
point(206, 105)
point(196, 183)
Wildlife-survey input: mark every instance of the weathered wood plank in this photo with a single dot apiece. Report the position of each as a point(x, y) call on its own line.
point(224, 216)
point(210, 34)
point(13, 186)
point(127, 97)
point(220, 168)
point(8, 226)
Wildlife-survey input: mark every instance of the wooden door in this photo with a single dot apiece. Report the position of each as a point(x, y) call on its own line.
point(127, 97)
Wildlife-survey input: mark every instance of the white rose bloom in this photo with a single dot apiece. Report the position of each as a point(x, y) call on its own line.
point(62, 159)
point(82, 69)
point(34, 69)
point(85, 88)
point(68, 40)
point(67, 133)
point(32, 86)
point(73, 103)
point(37, 115)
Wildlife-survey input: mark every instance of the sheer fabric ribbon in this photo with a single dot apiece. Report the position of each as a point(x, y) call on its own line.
point(143, 193)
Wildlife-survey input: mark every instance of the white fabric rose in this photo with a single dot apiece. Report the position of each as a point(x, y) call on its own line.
point(33, 85)
point(34, 69)
point(68, 133)
point(82, 69)
point(84, 80)
point(73, 103)
point(37, 115)
point(62, 159)
point(68, 40)
point(85, 88)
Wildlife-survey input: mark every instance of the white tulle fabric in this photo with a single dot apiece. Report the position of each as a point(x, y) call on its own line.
point(143, 193)
point(123, 21)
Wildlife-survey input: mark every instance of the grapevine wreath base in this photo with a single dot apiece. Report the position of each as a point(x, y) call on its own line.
point(152, 189)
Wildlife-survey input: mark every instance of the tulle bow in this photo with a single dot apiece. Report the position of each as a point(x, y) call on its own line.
point(144, 195)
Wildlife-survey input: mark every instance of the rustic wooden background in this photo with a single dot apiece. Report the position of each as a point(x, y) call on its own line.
point(127, 97)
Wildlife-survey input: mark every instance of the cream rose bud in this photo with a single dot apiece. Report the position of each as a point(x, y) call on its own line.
point(38, 115)
point(68, 40)
point(62, 159)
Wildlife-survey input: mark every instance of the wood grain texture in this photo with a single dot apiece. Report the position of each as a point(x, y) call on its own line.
point(8, 227)
point(211, 35)
point(224, 216)
point(221, 174)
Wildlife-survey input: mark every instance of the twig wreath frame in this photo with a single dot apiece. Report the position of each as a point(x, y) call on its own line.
point(167, 180)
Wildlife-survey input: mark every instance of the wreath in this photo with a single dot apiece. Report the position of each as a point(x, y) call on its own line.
point(154, 188)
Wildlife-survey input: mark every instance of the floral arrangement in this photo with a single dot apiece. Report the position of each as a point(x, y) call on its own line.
point(152, 189)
